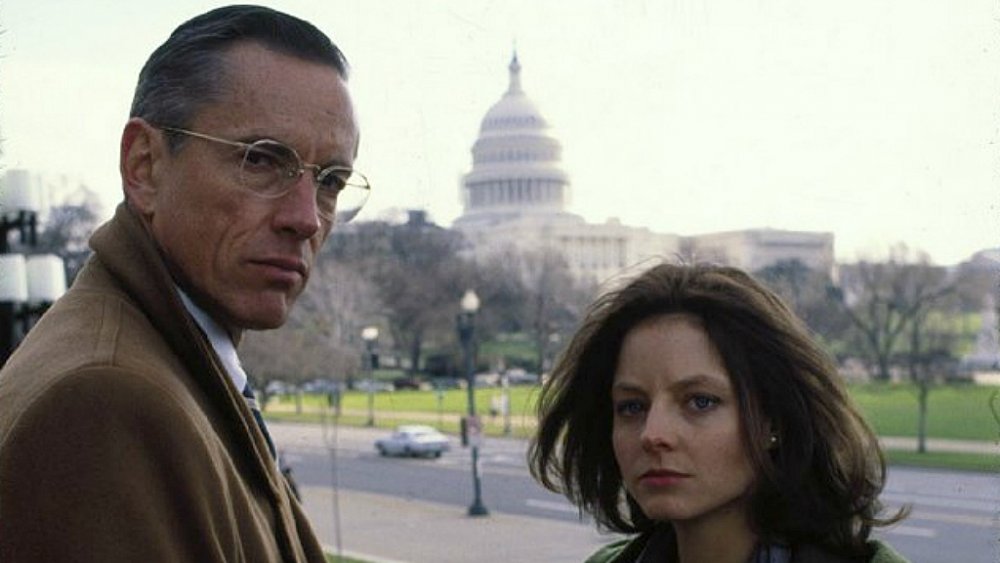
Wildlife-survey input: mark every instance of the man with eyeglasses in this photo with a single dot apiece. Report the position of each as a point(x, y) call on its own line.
point(128, 429)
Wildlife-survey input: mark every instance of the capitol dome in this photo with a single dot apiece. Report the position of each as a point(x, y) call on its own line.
point(515, 163)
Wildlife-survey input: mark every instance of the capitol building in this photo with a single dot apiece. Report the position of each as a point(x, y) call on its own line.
point(516, 194)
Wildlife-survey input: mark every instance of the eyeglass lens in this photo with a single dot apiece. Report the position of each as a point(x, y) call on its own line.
point(270, 169)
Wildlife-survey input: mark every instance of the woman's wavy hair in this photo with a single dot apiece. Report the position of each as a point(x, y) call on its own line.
point(819, 484)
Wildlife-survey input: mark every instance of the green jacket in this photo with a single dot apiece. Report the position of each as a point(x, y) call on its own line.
point(628, 550)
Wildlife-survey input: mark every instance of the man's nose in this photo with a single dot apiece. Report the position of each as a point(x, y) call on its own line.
point(297, 211)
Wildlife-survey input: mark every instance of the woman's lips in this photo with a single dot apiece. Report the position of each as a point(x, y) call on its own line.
point(662, 477)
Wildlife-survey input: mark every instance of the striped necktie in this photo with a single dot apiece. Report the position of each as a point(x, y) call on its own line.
point(252, 403)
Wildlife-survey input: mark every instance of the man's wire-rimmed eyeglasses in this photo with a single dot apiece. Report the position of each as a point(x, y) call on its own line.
point(269, 169)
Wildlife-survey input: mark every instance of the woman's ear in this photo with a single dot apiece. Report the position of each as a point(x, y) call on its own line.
point(142, 148)
point(773, 439)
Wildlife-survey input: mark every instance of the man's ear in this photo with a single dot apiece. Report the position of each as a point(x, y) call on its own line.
point(143, 149)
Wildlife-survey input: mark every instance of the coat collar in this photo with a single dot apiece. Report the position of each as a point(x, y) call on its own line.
point(125, 247)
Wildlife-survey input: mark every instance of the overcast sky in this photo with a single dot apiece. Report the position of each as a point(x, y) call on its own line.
point(874, 119)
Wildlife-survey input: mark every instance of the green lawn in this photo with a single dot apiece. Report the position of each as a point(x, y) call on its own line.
point(945, 460)
point(440, 409)
point(959, 412)
point(522, 400)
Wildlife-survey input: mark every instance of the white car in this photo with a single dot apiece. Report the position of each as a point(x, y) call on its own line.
point(415, 440)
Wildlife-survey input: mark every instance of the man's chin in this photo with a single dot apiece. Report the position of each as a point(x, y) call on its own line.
point(267, 313)
point(264, 325)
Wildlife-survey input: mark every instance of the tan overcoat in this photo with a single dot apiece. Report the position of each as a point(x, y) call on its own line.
point(122, 439)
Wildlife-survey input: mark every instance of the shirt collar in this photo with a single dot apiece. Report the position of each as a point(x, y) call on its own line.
point(220, 340)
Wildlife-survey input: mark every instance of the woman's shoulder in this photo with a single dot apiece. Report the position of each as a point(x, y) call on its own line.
point(884, 553)
point(647, 546)
point(626, 550)
point(611, 553)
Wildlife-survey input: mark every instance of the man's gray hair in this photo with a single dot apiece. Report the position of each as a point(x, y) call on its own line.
point(188, 70)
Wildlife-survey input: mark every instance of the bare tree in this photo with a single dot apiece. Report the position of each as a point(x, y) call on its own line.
point(279, 355)
point(930, 350)
point(417, 274)
point(555, 301)
point(500, 286)
point(805, 290)
point(883, 299)
point(320, 339)
point(68, 228)
point(901, 297)
point(337, 304)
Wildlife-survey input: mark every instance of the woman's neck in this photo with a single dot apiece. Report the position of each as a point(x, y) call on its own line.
point(722, 537)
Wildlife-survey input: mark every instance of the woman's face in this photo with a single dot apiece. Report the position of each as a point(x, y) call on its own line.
point(676, 428)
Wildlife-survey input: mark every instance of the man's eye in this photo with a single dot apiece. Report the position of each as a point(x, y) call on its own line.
point(334, 180)
point(257, 160)
point(265, 158)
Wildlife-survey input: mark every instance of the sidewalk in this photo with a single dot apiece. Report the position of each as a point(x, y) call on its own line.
point(385, 529)
point(379, 528)
point(937, 445)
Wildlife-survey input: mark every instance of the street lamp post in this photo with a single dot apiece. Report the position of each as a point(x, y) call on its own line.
point(28, 284)
point(466, 331)
point(370, 335)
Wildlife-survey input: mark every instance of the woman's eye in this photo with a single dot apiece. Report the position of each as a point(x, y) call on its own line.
point(703, 402)
point(629, 407)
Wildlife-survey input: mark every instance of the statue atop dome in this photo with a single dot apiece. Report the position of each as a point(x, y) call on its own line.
point(515, 75)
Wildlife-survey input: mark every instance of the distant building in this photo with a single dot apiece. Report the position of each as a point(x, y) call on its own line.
point(516, 194)
point(985, 354)
point(987, 260)
point(754, 249)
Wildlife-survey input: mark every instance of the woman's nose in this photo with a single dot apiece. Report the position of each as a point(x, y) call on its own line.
point(660, 429)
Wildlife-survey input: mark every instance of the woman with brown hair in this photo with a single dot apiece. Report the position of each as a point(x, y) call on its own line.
point(694, 409)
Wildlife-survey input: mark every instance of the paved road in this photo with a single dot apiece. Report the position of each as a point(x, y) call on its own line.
point(414, 510)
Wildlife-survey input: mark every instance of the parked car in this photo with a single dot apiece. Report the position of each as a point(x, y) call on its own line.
point(413, 440)
point(406, 383)
point(487, 379)
point(376, 386)
point(517, 376)
point(279, 388)
point(323, 386)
